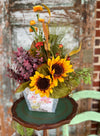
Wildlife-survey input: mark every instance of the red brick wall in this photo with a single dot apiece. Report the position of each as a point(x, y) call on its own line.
point(96, 82)
point(96, 73)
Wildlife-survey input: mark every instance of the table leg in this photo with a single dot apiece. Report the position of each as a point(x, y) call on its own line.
point(45, 132)
point(58, 131)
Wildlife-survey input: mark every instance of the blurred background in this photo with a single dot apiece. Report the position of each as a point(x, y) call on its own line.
point(80, 20)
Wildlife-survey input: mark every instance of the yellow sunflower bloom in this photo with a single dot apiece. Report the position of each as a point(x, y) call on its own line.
point(59, 69)
point(41, 84)
point(41, 20)
point(37, 8)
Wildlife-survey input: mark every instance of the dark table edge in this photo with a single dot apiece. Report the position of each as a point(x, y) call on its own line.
point(43, 126)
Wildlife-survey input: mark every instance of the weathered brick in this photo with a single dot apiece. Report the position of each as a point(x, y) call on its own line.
point(95, 75)
point(96, 83)
point(95, 59)
point(98, 4)
point(98, 89)
point(97, 42)
point(98, 14)
point(98, 33)
point(97, 24)
point(95, 106)
point(96, 67)
point(94, 131)
point(97, 51)
point(94, 125)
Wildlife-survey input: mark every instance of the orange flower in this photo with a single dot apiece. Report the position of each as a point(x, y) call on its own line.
point(36, 29)
point(30, 29)
point(32, 22)
point(37, 8)
point(60, 45)
point(41, 20)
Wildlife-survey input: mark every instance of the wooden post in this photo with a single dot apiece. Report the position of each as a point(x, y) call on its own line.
point(6, 93)
point(45, 132)
point(58, 131)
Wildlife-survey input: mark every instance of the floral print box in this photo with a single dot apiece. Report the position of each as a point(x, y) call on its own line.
point(37, 103)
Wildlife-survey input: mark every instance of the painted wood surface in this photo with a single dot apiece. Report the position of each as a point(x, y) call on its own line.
point(93, 94)
point(85, 116)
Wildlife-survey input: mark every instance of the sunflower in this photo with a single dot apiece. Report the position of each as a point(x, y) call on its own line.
point(59, 69)
point(41, 84)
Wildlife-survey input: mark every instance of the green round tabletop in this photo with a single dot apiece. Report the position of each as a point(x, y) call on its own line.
point(65, 111)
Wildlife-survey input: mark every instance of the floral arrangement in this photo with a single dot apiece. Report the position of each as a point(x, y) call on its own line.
point(45, 68)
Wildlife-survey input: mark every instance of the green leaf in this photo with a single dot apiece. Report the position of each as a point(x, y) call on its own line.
point(43, 69)
point(37, 16)
point(29, 131)
point(33, 29)
point(22, 87)
point(23, 130)
point(60, 91)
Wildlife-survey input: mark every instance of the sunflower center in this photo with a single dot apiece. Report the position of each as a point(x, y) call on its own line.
point(43, 83)
point(58, 69)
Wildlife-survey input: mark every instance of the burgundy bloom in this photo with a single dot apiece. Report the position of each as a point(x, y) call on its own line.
point(24, 65)
point(68, 58)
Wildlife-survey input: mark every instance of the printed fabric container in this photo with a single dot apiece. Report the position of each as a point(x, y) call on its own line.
point(37, 103)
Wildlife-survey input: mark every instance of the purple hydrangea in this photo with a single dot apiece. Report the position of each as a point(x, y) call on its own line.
point(24, 65)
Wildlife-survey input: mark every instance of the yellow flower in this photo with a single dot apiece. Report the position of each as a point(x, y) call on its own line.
point(41, 84)
point(37, 8)
point(32, 22)
point(59, 69)
point(41, 20)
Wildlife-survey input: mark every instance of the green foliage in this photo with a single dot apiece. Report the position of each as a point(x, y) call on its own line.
point(43, 53)
point(40, 36)
point(33, 29)
point(71, 81)
point(23, 131)
point(85, 75)
point(43, 69)
point(74, 79)
point(22, 87)
point(60, 91)
point(55, 38)
point(54, 46)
